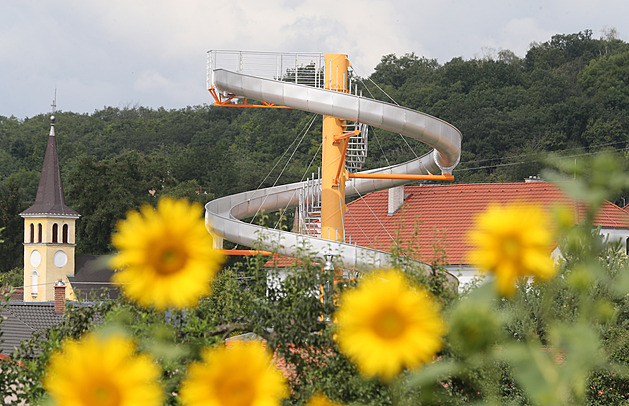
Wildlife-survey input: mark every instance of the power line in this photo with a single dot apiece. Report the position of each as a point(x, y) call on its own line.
point(537, 153)
point(531, 161)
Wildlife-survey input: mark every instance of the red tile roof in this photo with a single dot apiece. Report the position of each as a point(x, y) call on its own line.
point(441, 215)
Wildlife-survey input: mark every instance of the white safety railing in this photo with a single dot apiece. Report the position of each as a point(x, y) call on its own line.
point(304, 68)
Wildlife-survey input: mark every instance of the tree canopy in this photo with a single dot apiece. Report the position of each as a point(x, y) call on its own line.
point(568, 95)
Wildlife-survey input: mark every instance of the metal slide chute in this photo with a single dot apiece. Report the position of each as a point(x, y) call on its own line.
point(223, 214)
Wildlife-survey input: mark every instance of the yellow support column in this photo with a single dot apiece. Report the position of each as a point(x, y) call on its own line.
point(333, 189)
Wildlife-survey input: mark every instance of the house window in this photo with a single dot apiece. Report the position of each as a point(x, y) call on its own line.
point(39, 232)
point(32, 239)
point(55, 232)
point(34, 278)
point(65, 233)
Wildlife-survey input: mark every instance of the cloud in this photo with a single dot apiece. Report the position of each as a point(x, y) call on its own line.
point(518, 34)
point(154, 51)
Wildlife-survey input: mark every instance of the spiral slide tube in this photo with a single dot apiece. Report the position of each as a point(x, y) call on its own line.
point(223, 214)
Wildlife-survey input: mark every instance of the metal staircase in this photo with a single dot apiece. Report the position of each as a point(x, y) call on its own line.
point(309, 209)
point(357, 146)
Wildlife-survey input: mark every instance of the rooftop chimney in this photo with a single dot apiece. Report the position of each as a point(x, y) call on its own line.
point(396, 199)
point(534, 178)
point(60, 297)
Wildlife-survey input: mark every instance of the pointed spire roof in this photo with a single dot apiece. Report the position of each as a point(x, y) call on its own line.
point(50, 198)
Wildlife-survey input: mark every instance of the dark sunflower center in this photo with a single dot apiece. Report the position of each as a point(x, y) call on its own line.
point(171, 260)
point(103, 394)
point(237, 392)
point(389, 324)
point(511, 247)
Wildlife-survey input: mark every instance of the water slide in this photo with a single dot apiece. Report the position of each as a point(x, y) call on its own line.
point(224, 214)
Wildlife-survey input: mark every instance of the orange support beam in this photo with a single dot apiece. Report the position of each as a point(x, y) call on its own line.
point(333, 156)
point(225, 102)
point(336, 180)
point(344, 136)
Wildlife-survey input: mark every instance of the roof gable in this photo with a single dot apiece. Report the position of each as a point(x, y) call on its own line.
point(22, 319)
point(92, 278)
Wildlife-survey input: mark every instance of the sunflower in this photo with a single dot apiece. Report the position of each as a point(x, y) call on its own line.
point(165, 255)
point(320, 399)
point(512, 241)
point(385, 325)
point(99, 371)
point(240, 374)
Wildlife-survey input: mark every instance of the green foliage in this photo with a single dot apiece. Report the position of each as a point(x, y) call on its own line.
point(606, 79)
point(103, 191)
point(566, 93)
point(562, 342)
point(12, 278)
point(11, 226)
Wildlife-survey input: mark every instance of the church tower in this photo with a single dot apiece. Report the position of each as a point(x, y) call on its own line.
point(49, 232)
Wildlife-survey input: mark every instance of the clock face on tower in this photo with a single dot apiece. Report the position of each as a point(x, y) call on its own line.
point(60, 259)
point(35, 259)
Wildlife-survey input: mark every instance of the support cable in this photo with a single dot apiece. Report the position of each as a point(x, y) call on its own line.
point(362, 231)
point(301, 137)
point(285, 152)
point(375, 216)
point(393, 101)
point(301, 180)
point(285, 166)
point(295, 150)
point(381, 149)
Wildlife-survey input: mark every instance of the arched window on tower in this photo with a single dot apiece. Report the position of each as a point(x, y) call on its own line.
point(39, 232)
point(55, 232)
point(32, 238)
point(65, 233)
point(34, 280)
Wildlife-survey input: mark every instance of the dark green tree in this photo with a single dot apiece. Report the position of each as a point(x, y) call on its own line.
point(103, 191)
point(12, 225)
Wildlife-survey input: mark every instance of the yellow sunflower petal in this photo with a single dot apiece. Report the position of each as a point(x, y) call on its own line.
point(512, 241)
point(385, 325)
point(165, 256)
point(320, 399)
point(102, 372)
point(240, 374)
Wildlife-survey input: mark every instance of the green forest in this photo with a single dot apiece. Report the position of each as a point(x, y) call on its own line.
point(567, 96)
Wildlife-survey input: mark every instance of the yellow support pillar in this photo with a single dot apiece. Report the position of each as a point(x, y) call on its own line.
point(333, 189)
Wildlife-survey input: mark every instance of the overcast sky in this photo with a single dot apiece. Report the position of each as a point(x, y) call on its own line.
point(152, 53)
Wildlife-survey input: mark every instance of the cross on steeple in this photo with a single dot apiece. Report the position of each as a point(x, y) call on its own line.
point(50, 198)
point(54, 103)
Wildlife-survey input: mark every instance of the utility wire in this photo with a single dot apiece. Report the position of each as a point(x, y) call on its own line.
point(534, 160)
point(538, 153)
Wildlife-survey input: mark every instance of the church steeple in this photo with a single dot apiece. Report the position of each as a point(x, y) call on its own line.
point(50, 198)
point(49, 232)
